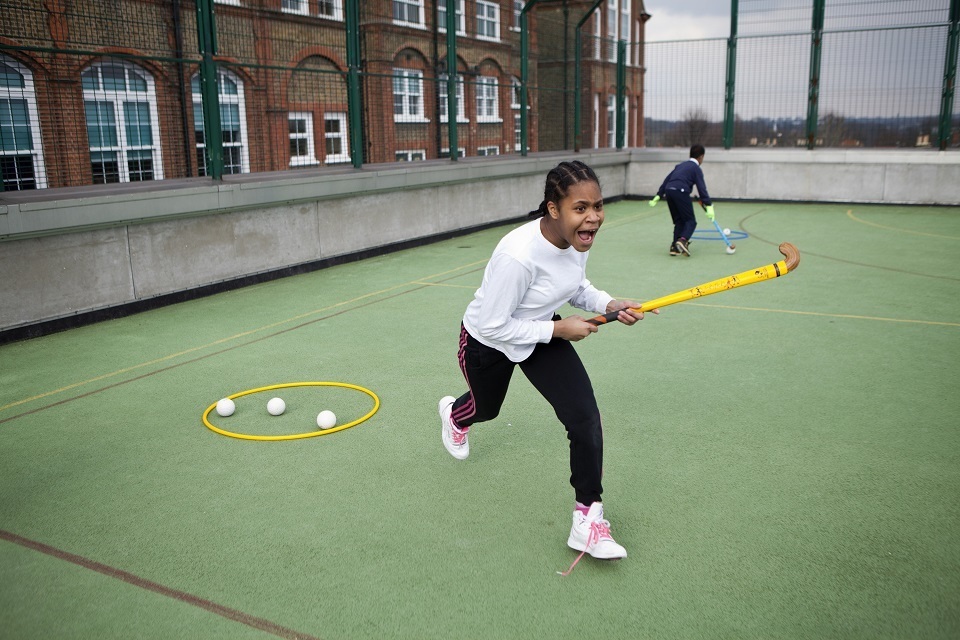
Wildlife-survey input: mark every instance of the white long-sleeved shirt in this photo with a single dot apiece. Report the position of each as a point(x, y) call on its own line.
point(526, 281)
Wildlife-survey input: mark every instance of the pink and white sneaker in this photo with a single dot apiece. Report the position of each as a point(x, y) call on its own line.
point(590, 533)
point(455, 440)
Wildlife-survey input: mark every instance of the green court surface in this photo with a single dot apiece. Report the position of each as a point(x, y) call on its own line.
point(782, 459)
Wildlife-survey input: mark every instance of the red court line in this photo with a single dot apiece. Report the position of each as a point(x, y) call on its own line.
point(182, 596)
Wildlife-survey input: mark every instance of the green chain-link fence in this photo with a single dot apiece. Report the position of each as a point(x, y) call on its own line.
point(811, 73)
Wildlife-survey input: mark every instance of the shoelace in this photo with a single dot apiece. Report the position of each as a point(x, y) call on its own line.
point(599, 530)
point(458, 437)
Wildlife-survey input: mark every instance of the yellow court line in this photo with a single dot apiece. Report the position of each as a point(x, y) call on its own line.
point(830, 315)
point(910, 231)
point(444, 284)
point(230, 338)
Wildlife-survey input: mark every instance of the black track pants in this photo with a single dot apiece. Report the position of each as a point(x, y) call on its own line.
point(555, 370)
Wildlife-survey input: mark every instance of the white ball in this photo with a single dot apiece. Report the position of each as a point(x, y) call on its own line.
point(731, 250)
point(726, 232)
point(226, 407)
point(276, 406)
point(326, 419)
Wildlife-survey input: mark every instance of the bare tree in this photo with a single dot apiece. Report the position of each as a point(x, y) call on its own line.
point(832, 130)
point(693, 128)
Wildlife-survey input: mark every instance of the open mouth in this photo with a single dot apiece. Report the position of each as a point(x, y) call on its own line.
point(587, 236)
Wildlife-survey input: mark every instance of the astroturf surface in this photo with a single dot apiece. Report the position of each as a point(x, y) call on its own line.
point(781, 460)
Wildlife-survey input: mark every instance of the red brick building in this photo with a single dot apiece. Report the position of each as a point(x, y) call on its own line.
point(95, 92)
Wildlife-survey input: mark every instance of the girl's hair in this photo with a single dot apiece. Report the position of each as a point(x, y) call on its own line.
point(560, 179)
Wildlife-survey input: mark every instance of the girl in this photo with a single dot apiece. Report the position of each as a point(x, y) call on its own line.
point(512, 321)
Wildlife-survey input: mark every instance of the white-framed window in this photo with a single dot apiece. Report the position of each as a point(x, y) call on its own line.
point(488, 151)
point(233, 123)
point(408, 96)
point(625, 27)
point(336, 145)
point(442, 98)
point(487, 100)
point(294, 6)
point(302, 147)
point(611, 121)
point(611, 36)
point(332, 9)
point(329, 9)
point(515, 107)
point(626, 121)
point(596, 121)
point(517, 10)
point(597, 35)
point(408, 12)
point(235, 3)
point(21, 153)
point(442, 17)
point(488, 20)
point(410, 155)
point(120, 105)
point(514, 92)
point(445, 152)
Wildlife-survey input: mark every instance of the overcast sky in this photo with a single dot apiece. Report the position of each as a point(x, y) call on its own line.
point(877, 73)
point(687, 19)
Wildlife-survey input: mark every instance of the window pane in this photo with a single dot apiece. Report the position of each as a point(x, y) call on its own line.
point(227, 86)
point(101, 124)
point(137, 82)
point(326, 8)
point(14, 126)
point(10, 77)
point(232, 160)
point(137, 115)
point(114, 78)
point(105, 167)
point(230, 122)
point(18, 173)
point(201, 162)
point(140, 165)
point(90, 79)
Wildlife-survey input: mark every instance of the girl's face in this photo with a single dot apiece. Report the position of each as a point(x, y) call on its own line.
point(575, 220)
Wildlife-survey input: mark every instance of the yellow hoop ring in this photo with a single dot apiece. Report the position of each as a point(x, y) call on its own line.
point(295, 436)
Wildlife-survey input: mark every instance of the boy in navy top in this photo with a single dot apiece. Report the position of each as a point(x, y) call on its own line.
point(676, 188)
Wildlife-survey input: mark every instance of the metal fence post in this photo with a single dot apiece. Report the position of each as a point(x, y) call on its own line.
point(212, 130)
point(354, 99)
point(949, 77)
point(620, 106)
point(813, 94)
point(524, 74)
point(578, 81)
point(452, 78)
point(731, 85)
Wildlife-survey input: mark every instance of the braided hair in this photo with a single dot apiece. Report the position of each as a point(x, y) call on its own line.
point(559, 180)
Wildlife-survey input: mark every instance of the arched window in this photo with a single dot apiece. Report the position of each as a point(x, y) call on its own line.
point(120, 104)
point(21, 155)
point(317, 89)
point(233, 123)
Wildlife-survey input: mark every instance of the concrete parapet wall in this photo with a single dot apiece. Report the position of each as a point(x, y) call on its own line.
point(75, 251)
point(799, 175)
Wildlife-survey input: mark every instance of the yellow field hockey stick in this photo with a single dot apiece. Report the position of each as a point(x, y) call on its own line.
point(760, 274)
